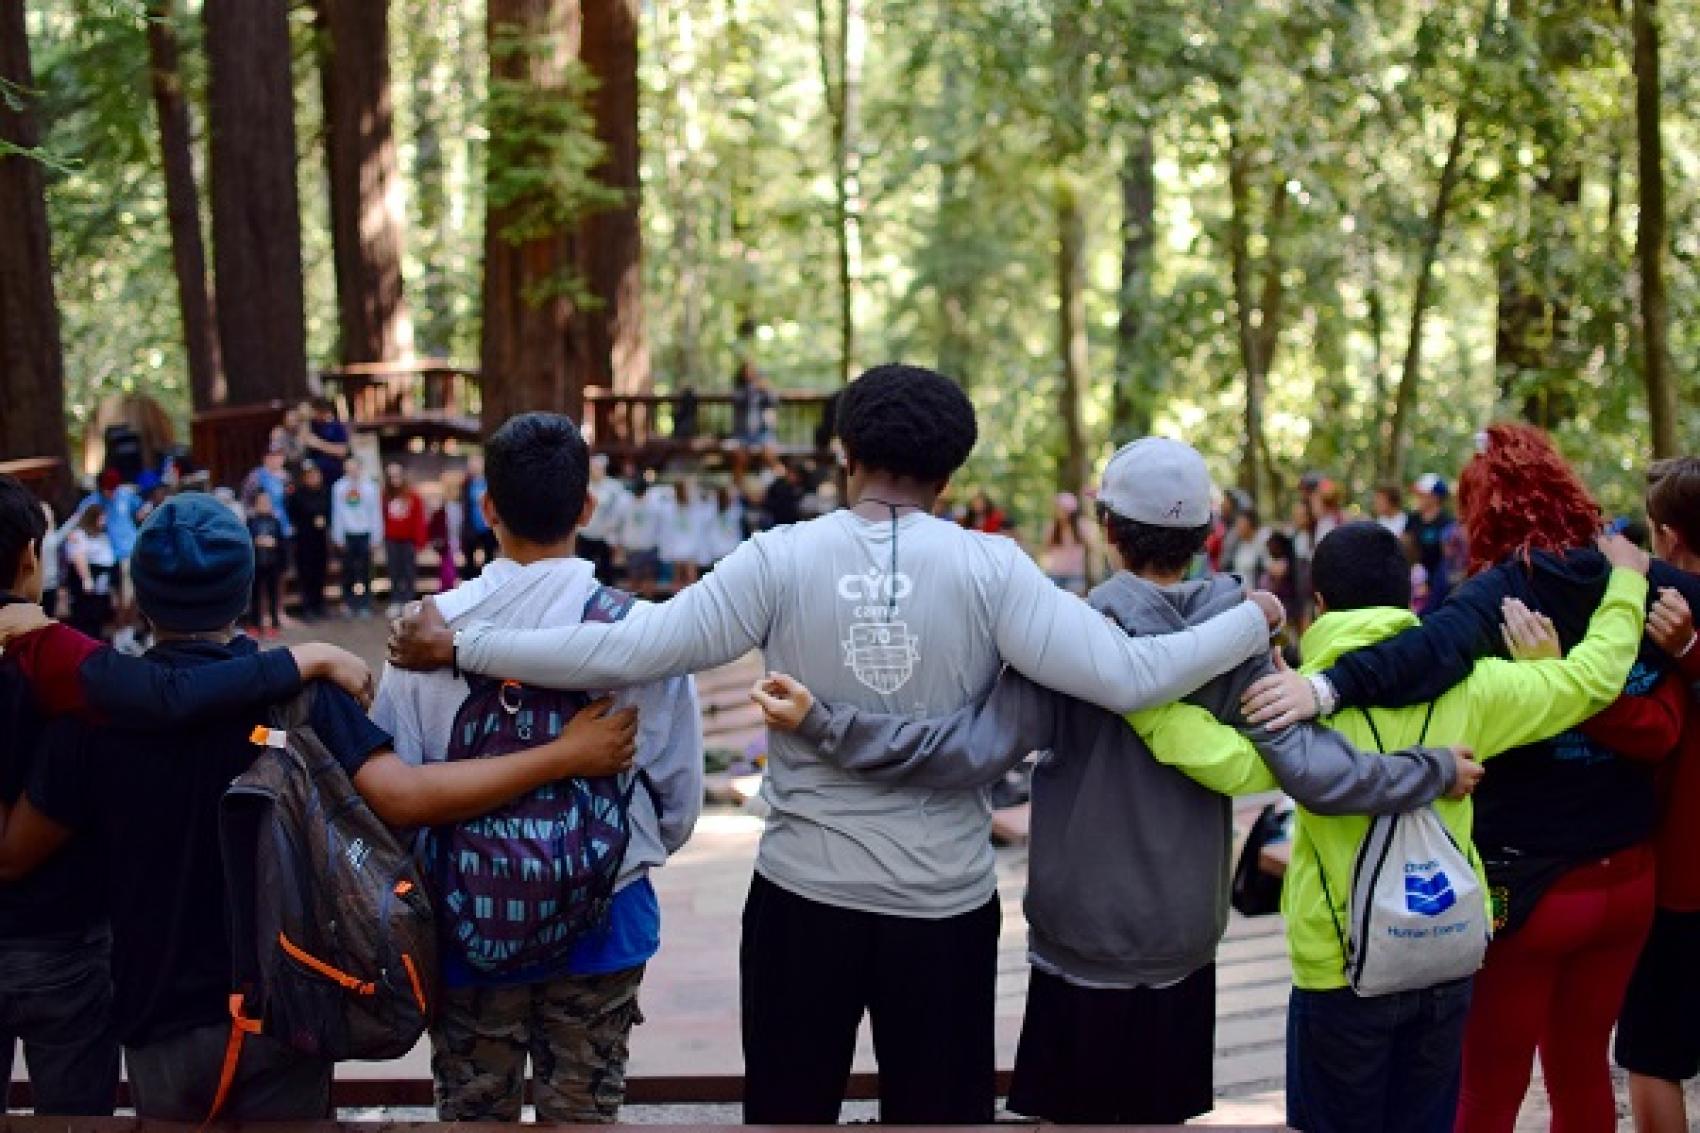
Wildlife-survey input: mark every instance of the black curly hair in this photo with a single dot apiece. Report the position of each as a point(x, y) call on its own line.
point(908, 421)
point(1360, 565)
point(1144, 546)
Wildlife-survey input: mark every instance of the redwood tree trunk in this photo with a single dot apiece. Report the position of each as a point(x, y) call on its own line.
point(183, 211)
point(32, 365)
point(1071, 335)
point(365, 191)
point(1393, 457)
point(1655, 311)
point(1134, 396)
point(840, 53)
point(611, 240)
point(256, 216)
point(1259, 314)
point(533, 352)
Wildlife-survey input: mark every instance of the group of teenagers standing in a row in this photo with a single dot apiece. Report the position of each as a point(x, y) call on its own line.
point(875, 892)
point(912, 661)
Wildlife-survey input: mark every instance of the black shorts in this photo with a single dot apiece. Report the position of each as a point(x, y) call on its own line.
point(1136, 1056)
point(1658, 1034)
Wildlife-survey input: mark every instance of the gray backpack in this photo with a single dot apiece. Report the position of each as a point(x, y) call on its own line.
point(1418, 914)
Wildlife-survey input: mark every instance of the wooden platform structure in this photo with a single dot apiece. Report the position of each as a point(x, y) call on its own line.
point(38, 473)
point(434, 402)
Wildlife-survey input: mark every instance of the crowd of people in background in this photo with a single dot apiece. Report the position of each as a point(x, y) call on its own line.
point(311, 502)
point(1272, 556)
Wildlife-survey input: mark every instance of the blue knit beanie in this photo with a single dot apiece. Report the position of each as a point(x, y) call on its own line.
point(193, 566)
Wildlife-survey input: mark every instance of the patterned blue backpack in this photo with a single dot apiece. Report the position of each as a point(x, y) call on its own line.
point(518, 887)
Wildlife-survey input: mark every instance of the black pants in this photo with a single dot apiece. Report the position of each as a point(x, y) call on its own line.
point(56, 996)
point(600, 555)
point(311, 559)
point(357, 573)
point(477, 548)
point(809, 971)
point(1116, 1056)
point(401, 560)
point(268, 586)
point(176, 1079)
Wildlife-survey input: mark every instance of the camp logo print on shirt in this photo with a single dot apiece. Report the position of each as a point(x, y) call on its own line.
point(880, 650)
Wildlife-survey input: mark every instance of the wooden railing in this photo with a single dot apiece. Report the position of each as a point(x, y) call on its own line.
point(436, 400)
point(38, 473)
point(229, 441)
point(429, 398)
point(656, 427)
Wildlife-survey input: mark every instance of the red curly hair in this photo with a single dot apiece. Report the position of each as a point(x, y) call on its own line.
point(1518, 495)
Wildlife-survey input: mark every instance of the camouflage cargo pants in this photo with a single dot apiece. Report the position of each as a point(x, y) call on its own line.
point(575, 1030)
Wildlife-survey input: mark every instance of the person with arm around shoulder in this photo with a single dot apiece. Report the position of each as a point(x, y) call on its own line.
point(571, 1017)
point(151, 799)
point(892, 889)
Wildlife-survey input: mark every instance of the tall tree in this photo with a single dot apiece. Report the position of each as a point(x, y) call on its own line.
point(1258, 309)
point(843, 45)
point(1652, 234)
point(183, 209)
point(611, 239)
point(1537, 351)
point(534, 352)
point(32, 365)
point(1068, 143)
point(367, 221)
point(1434, 232)
point(1134, 397)
point(256, 216)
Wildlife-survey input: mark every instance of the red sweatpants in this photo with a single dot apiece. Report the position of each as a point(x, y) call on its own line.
point(1557, 985)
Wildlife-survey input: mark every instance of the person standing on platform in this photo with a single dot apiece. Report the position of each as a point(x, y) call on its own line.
point(357, 517)
point(310, 515)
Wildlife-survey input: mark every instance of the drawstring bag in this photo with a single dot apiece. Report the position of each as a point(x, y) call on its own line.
point(1418, 914)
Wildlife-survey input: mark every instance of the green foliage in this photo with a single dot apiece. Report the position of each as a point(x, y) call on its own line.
point(543, 149)
point(106, 208)
point(970, 112)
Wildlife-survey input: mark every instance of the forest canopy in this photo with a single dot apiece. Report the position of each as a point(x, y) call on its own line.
point(1335, 234)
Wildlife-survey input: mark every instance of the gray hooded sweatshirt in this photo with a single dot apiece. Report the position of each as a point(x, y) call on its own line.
point(1128, 874)
point(913, 617)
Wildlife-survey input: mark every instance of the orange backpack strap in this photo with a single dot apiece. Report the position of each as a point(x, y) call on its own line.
point(240, 1028)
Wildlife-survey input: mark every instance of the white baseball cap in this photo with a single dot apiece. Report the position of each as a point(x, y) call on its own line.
point(1157, 481)
point(1430, 484)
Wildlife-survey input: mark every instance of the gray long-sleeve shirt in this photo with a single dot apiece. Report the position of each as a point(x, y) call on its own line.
point(1128, 875)
point(919, 629)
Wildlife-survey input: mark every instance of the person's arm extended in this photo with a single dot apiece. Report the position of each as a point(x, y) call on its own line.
point(1646, 728)
point(595, 743)
point(1425, 662)
point(972, 747)
point(75, 675)
point(1328, 775)
point(1513, 703)
point(712, 622)
point(1318, 768)
point(27, 839)
point(1056, 639)
point(1211, 754)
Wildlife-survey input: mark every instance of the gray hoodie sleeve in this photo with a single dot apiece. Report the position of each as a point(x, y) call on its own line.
point(1326, 775)
point(1061, 642)
point(972, 747)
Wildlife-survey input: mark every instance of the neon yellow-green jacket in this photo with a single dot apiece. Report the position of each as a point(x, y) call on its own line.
point(1502, 705)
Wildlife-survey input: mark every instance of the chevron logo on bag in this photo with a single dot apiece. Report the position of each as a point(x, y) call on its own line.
point(1429, 897)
